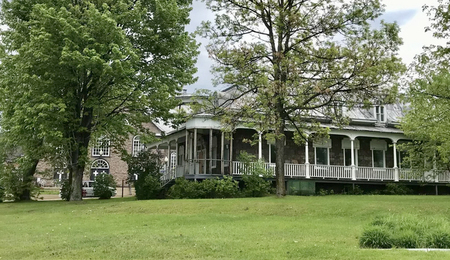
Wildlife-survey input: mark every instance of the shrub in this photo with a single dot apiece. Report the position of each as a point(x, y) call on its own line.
point(376, 237)
point(212, 188)
point(226, 187)
point(438, 239)
point(184, 189)
point(103, 185)
point(396, 189)
point(15, 182)
point(146, 166)
point(406, 239)
point(407, 231)
point(254, 177)
point(65, 190)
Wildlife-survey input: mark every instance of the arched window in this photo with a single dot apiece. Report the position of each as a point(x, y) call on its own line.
point(137, 145)
point(99, 166)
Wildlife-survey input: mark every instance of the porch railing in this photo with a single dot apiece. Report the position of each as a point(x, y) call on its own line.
point(315, 171)
point(331, 171)
point(372, 173)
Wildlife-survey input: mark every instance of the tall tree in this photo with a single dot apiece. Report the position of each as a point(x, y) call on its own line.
point(427, 120)
point(292, 60)
point(74, 70)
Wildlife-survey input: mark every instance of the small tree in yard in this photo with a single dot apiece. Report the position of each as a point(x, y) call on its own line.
point(288, 61)
point(254, 176)
point(103, 185)
point(146, 166)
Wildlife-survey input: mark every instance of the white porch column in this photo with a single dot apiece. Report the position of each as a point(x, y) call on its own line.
point(195, 152)
point(222, 149)
point(352, 152)
point(231, 153)
point(396, 174)
point(210, 150)
point(259, 145)
point(186, 153)
point(308, 175)
point(169, 162)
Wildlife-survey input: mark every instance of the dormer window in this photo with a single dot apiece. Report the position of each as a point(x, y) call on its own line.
point(380, 114)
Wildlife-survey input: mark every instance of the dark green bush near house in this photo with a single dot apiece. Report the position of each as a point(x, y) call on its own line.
point(147, 167)
point(406, 231)
point(254, 176)
point(396, 189)
point(184, 189)
point(211, 188)
point(226, 187)
point(103, 185)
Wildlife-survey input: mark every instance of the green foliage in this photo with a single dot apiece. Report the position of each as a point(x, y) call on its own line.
point(293, 66)
point(211, 188)
point(375, 237)
point(14, 182)
point(147, 166)
point(65, 190)
point(407, 231)
point(104, 186)
point(226, 187)
point(255, 176)
point(72, 70)
point(397, 189)
point(427, 120)
point(184, 189)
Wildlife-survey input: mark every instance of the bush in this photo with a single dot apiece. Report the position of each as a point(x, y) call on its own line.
point(406, 239)
point(376, 237)
point(104, 185)
point(65, 190)
point(254, 176)
point(396, 189)
point(15, 182)
point(211, 188)
point(438, 239)
point(184, 189)
point(226, 187)
point(407, 231)
point(146, 166)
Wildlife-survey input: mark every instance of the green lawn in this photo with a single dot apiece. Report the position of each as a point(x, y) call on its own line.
point(251, 228)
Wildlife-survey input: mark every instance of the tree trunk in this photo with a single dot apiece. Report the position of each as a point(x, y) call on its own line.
point(279, 162)
point(27, 180)
point(78, 163)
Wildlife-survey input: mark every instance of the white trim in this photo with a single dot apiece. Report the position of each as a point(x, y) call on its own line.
point(380, 113)
point(94, 164)
point(137, 146)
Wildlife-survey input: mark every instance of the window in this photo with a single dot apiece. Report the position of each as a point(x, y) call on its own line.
point(137, 146)
point(101, 148)
point(378, 158)
point(322, 151)
point(379, 113)
point(379, 148)
point(321, 155)
point(180, 155)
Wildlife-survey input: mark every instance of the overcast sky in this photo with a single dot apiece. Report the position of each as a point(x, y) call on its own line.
point(407, 13)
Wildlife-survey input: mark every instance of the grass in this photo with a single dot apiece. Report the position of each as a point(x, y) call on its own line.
point(325, 227)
